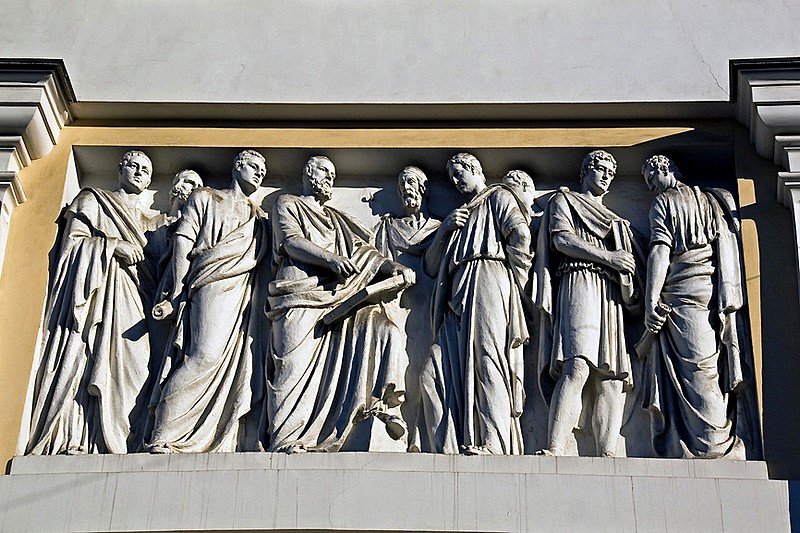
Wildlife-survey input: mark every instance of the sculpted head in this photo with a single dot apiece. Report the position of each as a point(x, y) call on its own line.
point(412, 187)
point(249, 170)
point(135, 172)
point(318, 177)
point(522, 184)
point(466, 173)
point(183, 184)
point(597, 172)
point(660, 173)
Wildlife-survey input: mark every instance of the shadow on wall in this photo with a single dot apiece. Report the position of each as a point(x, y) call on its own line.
point(780, 315)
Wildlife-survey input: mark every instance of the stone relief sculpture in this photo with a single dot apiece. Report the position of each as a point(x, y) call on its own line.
point(158, 255)
point(694, 291)
point(95, 348)
point(158, 249)
point(522, 184)
point(218, 338)
point(334, 361)
point(183, 184)
point(405, 239)
point(584, 269)
point(472, 383)
point(209, 328)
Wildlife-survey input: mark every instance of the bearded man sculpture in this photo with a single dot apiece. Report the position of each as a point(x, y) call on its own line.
point(328, 374)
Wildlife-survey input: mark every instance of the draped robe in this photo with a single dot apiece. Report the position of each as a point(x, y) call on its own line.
point(405, 239)
point(472, 383)
point(219, 341)
point(580, 301)
point(696, 361)
point(94, 349)
point(323, 374)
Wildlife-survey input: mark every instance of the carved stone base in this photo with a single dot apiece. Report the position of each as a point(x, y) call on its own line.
point(387, 492)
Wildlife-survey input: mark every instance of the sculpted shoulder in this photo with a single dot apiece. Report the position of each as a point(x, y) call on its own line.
point(503, 194)
point(284, 203)
point(560, 196)
point(286, 199)
point(206, 194)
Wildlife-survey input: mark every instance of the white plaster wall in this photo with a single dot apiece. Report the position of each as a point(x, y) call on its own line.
point(414, 51)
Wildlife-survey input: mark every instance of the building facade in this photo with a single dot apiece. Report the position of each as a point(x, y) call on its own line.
point(375, 88)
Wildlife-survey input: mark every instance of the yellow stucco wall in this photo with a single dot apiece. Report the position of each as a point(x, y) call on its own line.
point(32, 229)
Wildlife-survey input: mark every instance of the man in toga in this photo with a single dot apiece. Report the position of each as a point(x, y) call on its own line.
point(326, 375)
point(405, 239)
point(219, 338)
point(472, 382)
point(584, 268)
point(95, 347)
point(694, 290)
point(157, 286)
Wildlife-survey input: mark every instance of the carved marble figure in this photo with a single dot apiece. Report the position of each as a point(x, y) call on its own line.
point(522, 184)
point(584, 270)
point(694, 291)
point(94, 351)
point(183, 184)
point(219, 339)
point(161, 240)
point(329, 368)
point(472, 382)
point(405, 239)
point(158, 256)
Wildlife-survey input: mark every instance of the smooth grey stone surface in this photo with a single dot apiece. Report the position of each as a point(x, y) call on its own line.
point(388, 491)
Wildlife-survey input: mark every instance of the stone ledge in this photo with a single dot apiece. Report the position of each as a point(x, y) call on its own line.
point(420, 462)
point(387, 492)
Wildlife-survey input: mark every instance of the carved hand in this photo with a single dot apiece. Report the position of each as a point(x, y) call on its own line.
point(128, 253)
point(342, 266)
point(655, 316)
point(622, 261)
point(409, 276)
point(456, 219)
point(163, 310)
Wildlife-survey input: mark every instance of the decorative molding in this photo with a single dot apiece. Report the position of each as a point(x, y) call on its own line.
point(34, 107)
point(768, 102)
point(9, 180)
point(33, 110)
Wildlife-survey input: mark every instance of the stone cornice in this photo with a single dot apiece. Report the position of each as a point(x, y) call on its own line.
point(34, 102)
point(768, 102)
